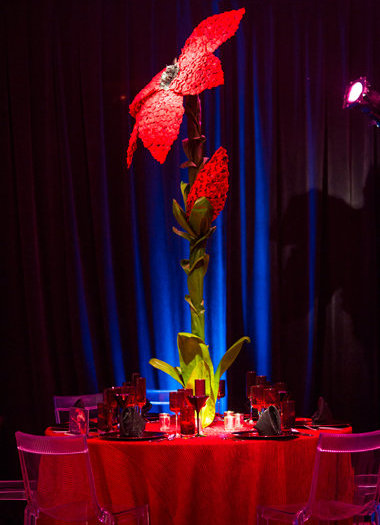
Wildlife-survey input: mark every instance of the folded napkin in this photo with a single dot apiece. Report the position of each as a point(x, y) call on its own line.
point(132, 424)
point(145, 409)
point(269, 423)
point(323, 414)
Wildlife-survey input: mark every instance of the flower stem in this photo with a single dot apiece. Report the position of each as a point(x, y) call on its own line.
point(194, 151)
point(195, 138)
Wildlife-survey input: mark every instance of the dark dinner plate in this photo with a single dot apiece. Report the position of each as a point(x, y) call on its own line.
point(146, 436)
point(285, 436)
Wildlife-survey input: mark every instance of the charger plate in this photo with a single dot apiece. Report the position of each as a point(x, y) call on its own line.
point(285, 436)
point(333, 425)
point(146, 436)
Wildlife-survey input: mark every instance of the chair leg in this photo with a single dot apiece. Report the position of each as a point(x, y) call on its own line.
point(30, 517)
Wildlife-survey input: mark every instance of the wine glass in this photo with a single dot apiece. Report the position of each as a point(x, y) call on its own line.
point(250, 380)
point(256, 397)
point(140, 392)
point(221, 394)
point(271, 397)
point(176, 400)
point(198, 400)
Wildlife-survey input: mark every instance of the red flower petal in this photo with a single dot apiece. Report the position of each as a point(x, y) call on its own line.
point(148, 90)
point(197, 73)
point(159, 121)
point(212, 183)
point(132, 146)
point(213, 31)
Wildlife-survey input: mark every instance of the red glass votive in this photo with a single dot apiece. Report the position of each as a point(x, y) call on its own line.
point(222, 388)
point(134, 377)
point(261, 380)
point(140, 391)
point(102, 422)
point(187, 420)
point(250, 380)
point(288, 414)
point(200, 387)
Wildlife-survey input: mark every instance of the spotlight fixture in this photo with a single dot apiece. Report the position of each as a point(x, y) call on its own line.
point(360, 94)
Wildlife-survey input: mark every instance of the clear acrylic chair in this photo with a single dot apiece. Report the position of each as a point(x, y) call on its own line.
point(64, 403)
point(159, 399)
point(12, 490)
point(59, 483)
point(345, 482)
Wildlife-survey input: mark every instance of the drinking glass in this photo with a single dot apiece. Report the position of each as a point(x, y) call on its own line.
point(256, 398)
point(261, 380)
point(221, 393)
point(271, 397)
point(187, 420)
point(176, 400)
point(198, 401)
point(250, 380)
point(140, 392)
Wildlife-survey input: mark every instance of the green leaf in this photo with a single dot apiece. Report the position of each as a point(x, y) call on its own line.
point(185, 189)
point(180, 216)
point(204, 238)
point(168, 369)
point(228, 358)
point(208, 412)
point(201, 216)
point(189, 302)
point(182, 234)
point(190, 353)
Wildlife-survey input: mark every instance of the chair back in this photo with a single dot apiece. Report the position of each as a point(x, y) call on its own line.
point(12, 490)
point(57, 477)
point(64, 403)
point(159, 399)
point(346, 477)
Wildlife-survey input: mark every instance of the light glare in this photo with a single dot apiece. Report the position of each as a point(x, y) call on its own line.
point(355, 92)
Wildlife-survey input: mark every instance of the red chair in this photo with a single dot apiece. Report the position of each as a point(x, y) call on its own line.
point(345, 483)
point(59, 483)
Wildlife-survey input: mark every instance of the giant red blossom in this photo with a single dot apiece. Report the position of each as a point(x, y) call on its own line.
point(158, 108)
point(212, 183)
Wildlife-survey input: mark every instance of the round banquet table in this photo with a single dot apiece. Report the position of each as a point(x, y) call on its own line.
point(212, 479)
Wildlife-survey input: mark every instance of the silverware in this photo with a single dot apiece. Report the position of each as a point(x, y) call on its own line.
point(296, 431)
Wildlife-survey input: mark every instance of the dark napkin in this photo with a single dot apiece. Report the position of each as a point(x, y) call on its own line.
point(269, 423)
point(132, 424)
point(145, 409)
point(323, 414)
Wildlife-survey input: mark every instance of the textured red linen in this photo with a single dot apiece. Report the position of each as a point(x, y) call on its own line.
point(202, 480)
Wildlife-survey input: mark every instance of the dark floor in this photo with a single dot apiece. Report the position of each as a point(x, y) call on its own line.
point(12, 512)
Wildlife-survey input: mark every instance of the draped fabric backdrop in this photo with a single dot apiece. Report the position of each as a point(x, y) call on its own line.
point(92, 283)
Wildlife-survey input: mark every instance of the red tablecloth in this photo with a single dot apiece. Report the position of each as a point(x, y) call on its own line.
point(203, 480)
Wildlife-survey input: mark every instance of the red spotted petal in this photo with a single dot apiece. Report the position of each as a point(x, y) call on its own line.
point(159, 121)
point(148, 90)
point(213, 31)
point(197, 73)
point(132, 146)
point(212, 183)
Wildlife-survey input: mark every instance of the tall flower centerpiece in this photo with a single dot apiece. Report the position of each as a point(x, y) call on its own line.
point(158, 110)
